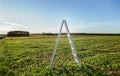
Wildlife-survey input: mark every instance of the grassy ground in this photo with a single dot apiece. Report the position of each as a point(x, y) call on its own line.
point(30, 56)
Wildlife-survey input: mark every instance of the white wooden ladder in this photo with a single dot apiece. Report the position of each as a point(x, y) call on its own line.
point(71, 44)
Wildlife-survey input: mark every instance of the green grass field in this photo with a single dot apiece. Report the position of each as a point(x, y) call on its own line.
point(30, 56)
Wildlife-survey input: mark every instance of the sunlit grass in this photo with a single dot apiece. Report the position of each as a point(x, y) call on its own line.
point(99, 55)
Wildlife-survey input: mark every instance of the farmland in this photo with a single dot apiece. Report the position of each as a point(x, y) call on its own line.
point(30, 56)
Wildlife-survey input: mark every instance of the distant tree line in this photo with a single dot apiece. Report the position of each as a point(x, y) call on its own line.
point(26, 33)
point(2, 36)
point(18, 33)
point(100, 34)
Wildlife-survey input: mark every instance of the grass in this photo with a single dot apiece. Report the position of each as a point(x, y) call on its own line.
point(30, 56)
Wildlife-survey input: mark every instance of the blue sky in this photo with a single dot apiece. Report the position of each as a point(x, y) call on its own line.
point(37, 16)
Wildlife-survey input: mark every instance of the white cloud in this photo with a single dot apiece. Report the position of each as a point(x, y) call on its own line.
point(101, 26)
point(96, 18)
point(10, 26)
point(15, 25)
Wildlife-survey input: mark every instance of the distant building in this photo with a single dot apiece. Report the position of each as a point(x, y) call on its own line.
point(18, 33)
